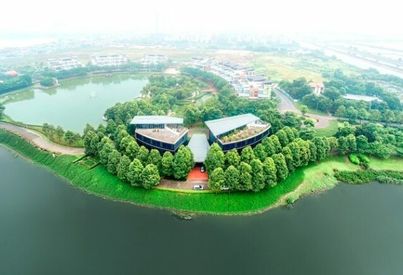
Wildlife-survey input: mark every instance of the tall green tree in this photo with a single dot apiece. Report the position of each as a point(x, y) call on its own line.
point(270, 171)
point(276, 143)
point(167, 164)
point(245, 177)
point(260, 152)
point(134, 173)
point(154, 157)
point(183, 163)
point(282, 137)
point(232, 158)
point(106, 150)
point(288, 156)
point(215, 158)
point(269, 146)
point(232, 177)
point(150, 176)
point(123, 168)
point(142, 155)
point(258, 180)
point(113, 161)
point(132, 149)
point(216, 179)
point(247, 154)
point(281, 167)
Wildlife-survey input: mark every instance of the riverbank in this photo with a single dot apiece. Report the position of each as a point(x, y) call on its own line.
point(98, 181)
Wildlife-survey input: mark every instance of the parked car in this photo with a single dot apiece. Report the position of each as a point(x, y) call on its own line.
point(198, 187)
point(202, 169)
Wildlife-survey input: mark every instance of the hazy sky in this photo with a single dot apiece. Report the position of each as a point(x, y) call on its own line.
point(207, 16)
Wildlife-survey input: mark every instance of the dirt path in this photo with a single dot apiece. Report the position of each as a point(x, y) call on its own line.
point(40, 141)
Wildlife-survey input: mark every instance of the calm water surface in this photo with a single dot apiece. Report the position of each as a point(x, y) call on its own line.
point(49, 227)
point(75, 103)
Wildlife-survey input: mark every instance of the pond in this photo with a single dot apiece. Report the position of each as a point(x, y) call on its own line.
point(75, 103)
point(49, 227)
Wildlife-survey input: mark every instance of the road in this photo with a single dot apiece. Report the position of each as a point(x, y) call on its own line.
point(40, 141)
point(287, 105)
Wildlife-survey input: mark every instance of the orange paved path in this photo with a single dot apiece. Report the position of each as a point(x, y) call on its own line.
point(196, 175)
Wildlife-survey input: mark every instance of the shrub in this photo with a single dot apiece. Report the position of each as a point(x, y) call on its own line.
point(354, 159)
point(363, 158)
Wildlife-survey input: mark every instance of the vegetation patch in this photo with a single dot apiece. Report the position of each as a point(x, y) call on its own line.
point(370, 175)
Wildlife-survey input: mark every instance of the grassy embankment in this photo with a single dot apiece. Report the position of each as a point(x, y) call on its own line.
point(99, 182)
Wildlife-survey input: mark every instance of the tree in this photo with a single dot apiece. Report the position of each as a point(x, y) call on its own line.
point(232, 158)
point(215, 158)
point(362, 143)
point(258, 179)
point(282, 137)
point(91, 142)
point(289, 159)
point(295, 152)
point(260, 152)
point(113, 161)
point(134, 173)
point(247, 154)
point(106, 150)
point(123, 168)
point(132, 149)
point(304, 110)
point(269, 171)
point(281, 166)
point(142, 155)
point(183, 163)
point(191, 115)
point(167, 164)
point(313, 151)
point(290, 133)
point(232, 177)
point(150, 176)
point(216, 179)
point(276, 143)
point(321, 149)
point(269, 146)
point(154, 157)
point(110, 127)
point(245, 177)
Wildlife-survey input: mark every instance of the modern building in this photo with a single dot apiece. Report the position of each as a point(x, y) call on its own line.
point(64, 64)
point(110, 60)
point(164, 133)
point(317, 88)
point(237, 132)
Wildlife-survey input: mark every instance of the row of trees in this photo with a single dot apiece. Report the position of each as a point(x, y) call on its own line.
point(371, 139)
point(388, 110)
point(122, 156)
point(14, 83)
point(267, 164)
point(59, 135)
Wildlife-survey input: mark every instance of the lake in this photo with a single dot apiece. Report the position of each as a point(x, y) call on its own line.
point(75, 103)
point(49, 227)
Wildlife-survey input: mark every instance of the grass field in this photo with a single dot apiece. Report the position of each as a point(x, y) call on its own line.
point(329, 130)
point(99, 182)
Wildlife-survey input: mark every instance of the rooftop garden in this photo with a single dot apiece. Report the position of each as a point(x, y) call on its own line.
point(242, 133)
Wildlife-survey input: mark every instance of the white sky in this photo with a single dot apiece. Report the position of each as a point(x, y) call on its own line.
point(208, 16)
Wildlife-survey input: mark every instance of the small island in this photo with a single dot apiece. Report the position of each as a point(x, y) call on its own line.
point(217, 141)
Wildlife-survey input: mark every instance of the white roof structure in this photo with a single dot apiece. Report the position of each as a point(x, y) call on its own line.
point(224, 125)
point(199, 146)
point(156, 120)
point(365, 98)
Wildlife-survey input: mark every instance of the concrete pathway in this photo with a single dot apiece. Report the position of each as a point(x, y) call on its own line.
point(40, 141)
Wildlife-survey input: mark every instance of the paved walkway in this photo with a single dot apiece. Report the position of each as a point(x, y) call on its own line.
point(40, 141)
point(287, 105)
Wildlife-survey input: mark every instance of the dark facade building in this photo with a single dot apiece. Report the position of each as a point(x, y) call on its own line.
point(164, 133)
point(237, 132)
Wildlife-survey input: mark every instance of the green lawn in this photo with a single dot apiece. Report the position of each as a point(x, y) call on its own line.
point(330, 130)
point(99, 182)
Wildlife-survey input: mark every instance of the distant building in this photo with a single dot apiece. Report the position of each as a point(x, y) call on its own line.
point(317, 88)
point(365, 98)
point(237, 132)
point(154, 59)
point(64, 64)
point(244, 80)
point(164, 133)
point(111, 60)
